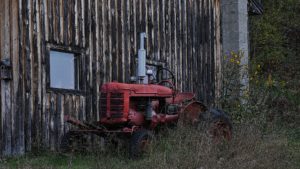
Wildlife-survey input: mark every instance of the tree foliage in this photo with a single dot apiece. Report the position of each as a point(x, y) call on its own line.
point(274, 68)
point(275, 36)
point(275, 59)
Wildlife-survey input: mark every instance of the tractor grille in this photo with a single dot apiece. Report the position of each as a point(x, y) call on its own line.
point(116, 105)
point(116, 102)
point(103, 104)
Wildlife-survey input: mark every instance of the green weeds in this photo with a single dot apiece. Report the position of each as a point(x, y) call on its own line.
point(183, 147)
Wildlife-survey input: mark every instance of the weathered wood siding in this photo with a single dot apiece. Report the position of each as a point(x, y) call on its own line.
point(182, 34)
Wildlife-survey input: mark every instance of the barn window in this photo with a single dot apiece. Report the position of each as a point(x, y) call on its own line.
point(63, 70)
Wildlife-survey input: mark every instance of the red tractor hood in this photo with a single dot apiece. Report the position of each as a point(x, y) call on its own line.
point(146, 90)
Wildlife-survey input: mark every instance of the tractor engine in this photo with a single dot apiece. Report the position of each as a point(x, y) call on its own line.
point(136, 104)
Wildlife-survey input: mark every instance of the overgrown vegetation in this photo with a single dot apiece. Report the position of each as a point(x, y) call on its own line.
point(183, 148)
point(275, 61)
point(273, 103)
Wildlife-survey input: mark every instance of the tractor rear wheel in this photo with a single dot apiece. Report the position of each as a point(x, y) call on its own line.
point(139, 143)
point(219, 125)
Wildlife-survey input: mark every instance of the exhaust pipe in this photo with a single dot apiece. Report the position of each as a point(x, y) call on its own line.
point(142, 59)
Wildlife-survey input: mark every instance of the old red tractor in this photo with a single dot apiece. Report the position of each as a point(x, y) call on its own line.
point(134, 110)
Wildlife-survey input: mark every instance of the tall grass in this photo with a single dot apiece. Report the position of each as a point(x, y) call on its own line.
point(183, 147)
point(191, 148)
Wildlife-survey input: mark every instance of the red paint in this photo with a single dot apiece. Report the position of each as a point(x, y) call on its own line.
point(129, 91)
point(124, 107)
point(137, 90)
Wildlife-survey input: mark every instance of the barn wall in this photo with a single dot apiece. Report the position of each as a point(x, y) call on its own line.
point(11, 105)
point(182, 34)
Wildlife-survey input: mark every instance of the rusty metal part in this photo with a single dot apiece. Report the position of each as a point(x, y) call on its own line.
point(220, 130)
point(220, 127)
point(75, 122)
point(191, 112)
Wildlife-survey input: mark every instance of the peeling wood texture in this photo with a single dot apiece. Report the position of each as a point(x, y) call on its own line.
point(184, 35)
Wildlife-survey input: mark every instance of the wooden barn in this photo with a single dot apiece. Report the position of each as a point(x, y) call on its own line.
point(56, 53)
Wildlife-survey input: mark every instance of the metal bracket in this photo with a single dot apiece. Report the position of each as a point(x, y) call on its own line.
point(5, 69)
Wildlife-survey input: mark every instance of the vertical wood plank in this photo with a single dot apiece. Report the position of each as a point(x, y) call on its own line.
point(82, 112)
point(67, 107)
point(56, 26)
point(149, 29)
point(98, 76)
point(113, 40)
point(184, 44)
point(189, 41)
point(1, 43)
point(194, 47)
point(28, 76)
point(126, 40)
point(52, 122)
point(59, 119)
point(119, 27)
point(157, 33)
point(61, 21)
point(201, 71)
point(162, 31)
point(72, 27)
point(179, 45)
point(109, 42)
point(88, 58)
point(36, 75)
point(133, 35)
point(173, 38)
point(66, 19)
point(6, 107)
point(50, 20)
point(46, 21)
point(17, 104)
point(104, 40)
point(80, 23)
point(218, 56)
point(46, 120)
point(44, 95)
point(83, 24)
point(94, 60)
point(76, 20)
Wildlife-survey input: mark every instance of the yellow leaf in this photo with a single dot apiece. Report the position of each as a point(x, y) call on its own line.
point(269, 81)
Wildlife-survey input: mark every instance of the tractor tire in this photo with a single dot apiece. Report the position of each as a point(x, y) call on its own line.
point(70, 142)
point(219, 125)
point(139, 143)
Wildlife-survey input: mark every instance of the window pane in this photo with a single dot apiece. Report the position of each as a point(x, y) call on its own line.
point(62, 72)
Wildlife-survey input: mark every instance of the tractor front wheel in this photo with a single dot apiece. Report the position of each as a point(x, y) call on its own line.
point(139, 143)
point(71, 142)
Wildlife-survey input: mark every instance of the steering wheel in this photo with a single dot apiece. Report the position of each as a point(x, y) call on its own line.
point(170, 80)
